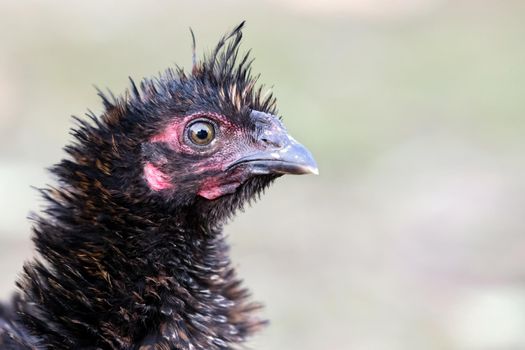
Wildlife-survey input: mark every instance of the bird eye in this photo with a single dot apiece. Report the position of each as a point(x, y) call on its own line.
point(201, 133)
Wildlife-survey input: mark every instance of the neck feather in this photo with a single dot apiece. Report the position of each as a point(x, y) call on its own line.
point(116, 279)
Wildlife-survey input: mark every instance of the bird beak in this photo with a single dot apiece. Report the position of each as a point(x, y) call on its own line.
point(292, 158)
point(278, 152)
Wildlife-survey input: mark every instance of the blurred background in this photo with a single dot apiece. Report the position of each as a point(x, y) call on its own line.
point(413, 235)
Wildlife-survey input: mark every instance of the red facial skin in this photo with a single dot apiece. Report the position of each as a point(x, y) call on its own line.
point(173, 134)
point(155, 178)
point(213, 188)
point(223, 151)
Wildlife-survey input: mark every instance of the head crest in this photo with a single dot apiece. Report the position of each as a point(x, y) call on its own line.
point(224, 70)
point(230, 72)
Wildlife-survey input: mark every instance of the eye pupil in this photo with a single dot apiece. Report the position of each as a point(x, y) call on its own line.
point(201, 133)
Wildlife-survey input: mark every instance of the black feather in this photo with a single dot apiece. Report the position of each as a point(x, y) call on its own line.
point(120, 267)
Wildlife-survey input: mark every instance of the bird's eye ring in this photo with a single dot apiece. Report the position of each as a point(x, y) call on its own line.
point(201, 133)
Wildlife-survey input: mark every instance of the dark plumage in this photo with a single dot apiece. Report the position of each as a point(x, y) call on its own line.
point(131, 249)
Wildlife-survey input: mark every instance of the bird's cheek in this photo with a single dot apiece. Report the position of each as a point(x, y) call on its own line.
point(155, 178)
point(215, 187)
point(213, 192)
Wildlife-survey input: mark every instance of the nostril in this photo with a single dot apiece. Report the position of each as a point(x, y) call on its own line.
point(270, 142)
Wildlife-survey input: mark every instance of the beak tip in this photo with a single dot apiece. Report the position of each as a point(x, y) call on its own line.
point(310, 166)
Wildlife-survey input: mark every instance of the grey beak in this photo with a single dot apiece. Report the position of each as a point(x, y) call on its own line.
point(278, 152)
point(293, 158)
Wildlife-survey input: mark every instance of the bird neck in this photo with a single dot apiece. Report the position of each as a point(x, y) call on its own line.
point(118, 279)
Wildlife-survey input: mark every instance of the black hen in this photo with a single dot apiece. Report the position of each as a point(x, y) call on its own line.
point(132, 254)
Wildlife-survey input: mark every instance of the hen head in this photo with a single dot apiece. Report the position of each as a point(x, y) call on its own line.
point(209, 139)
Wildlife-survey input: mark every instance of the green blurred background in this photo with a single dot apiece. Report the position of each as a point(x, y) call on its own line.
point(413, 235)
